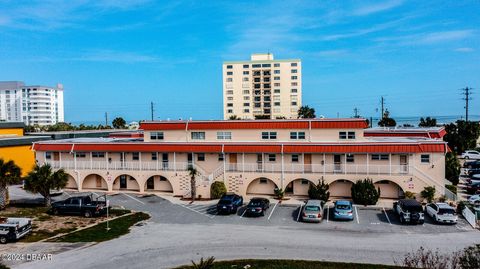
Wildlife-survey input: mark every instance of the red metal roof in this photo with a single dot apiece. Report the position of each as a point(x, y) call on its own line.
point(256, 124)
point(378, 147)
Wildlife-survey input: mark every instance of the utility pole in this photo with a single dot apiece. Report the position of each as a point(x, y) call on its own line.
point(106, 119)
point(355, 111)
point(382, 100)
point(467, 92)
point(151, 109)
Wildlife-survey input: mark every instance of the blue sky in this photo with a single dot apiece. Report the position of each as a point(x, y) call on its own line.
point(119, 55)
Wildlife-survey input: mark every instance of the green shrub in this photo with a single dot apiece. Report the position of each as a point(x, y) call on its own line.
point(364, 192)
point(204, 264)
point(428, 193)
point(452, 167)
point(279, 193)
point(461, 205)
point(409, 195)
point(470, 258)
point(319, 191)
point(451, 188)
point(217, 189)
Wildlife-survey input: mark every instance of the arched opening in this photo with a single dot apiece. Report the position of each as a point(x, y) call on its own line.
point(94, 181)
point(340, 188)
point(71, 183)
point(158, 184)
point(389, 189)
point(298, 187)
point(261, 186)
point(126, 182)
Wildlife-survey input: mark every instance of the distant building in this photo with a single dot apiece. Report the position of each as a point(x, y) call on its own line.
point(42, 105)
point(262, 87)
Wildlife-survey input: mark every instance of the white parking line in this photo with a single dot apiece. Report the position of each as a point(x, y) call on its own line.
point(244, 211)
point(196, 211)
point(67, 194)
point(386, 215)
point(133, 198)
point(273, 209)
point(328, 213)
point(299, 212)
point(356, 214)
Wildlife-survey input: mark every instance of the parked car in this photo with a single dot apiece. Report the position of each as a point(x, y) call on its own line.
point(12, 229)
point(312, 211)
point(471, 164)
point(229, 203)
point(441, 212)
point(343, 210)
point(474, 199)
point(471, 154)
point(473, 188)
point(473, 179)
point(473, 171)
point(409, 211)
point(257, 206)
point(79, 205)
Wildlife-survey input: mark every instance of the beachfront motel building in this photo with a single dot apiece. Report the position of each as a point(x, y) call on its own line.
point(253, 157)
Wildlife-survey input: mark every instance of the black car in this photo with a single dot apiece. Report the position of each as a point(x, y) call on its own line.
point(229, 203)
point(471, 164)
point(409, 211)
point(473, 171)
point(257, 207)
point(473, 188)
point(80, 205)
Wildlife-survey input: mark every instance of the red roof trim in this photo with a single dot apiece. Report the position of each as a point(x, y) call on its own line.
point(406, 133)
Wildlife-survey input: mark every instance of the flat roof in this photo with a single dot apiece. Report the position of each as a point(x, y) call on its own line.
point(21, 140)
point(262, 61)
point(8, 125)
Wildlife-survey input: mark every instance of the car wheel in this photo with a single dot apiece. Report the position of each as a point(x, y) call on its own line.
point(402, 220)
point(55, 211)
point(87, 214)
point(3, 239)
point(466, 157)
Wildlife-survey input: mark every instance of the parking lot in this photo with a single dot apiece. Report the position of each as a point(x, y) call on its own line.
point(366, 219)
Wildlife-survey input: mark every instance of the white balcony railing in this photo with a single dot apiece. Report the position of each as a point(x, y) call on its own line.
point(117, 165)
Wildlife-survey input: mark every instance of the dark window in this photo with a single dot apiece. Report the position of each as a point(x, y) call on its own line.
point(80, 154)
point(425, 158)
point(263, 181)
point(48, 155)
point(221, 157)
point(154, 156)
point(272, 157)
point(266, 65)
point(246, 66)
point(379, 157)
point(98, 154)
point(156, 135)
point(201, 157)
point(135, 156)
point(269, 135)
point(295, 158)
point(297, 135)
point(229, 66)
point(198, 135)
point(350, 158)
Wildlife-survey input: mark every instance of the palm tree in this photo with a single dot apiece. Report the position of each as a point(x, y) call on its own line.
point(9, 174)
point(192, 171)
point(306, 112)
point(42, 179)
point(119, 123)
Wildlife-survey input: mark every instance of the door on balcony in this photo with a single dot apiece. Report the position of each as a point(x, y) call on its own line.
point(259, 162)
point(56, 156)
point(123, 182)
point(232, 157)
point(403, 164)
point(337, 163)
point(165, 161)
point(190, 159)
point(307, 162)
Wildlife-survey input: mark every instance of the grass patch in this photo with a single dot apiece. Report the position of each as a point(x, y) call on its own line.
point(24, 212)
point(118, 212)
point(291, 264)
point(35, 236)
point(98, 233)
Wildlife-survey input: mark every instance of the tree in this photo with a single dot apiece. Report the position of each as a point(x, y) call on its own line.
point(233, 117)
point(364, 192)
point(427, 122)
point(262, 117)
point(462, 135)
point(9, 174)
point(319, 191)
point(386, 121)
point(42, 179)
point(192, 172)
point(428, 193)
point(217, 189)
point(306, 112)
point(452, 168)
point(119, 123)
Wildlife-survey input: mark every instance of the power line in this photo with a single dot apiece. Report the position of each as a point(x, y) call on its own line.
point(151, 109)
point(467, 92)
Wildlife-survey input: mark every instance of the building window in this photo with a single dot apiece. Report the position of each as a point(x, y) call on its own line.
point(246, 110)
point(295, 158)
point(246, 104)
point(266, 65)
point(276, 91)
point(229, 79)
point(156, 135)
point(246, 66)
point(224, 135)
point(294, 84)
point(305, 182)
point(246, 72)
point(294, 71)
point(276, 78)
point(380, 157)
point(293, 64)
point(245, 79)
point(201, 157)
point(425, 158)
point(229, 73)
point(294, 77)
point(276, 103)
point(48, 155)
point(297, 135)
point(221, 157)
point(230, 92)
point(346, 135)
point(229, 66)
point(98, 154)
point(263, 181)
point(276, 71)
point(80, 155)
point(135, 156)
point(272, 157)
point(229, 104)
point(276, 84)
point(154, 156)
point(256, 65)
point(246, 92)
point(198, 135)
point(294, 103)
point(350, 158)
point(246, 98)
point(269, 135)
point(294, 91)
point(276, 65)
point(229, 110)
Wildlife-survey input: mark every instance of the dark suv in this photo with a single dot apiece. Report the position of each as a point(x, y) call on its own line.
point(229, 203)
point(409, 211)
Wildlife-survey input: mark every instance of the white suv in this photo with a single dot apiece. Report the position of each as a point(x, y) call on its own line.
point(471, 154)
point(442, 213)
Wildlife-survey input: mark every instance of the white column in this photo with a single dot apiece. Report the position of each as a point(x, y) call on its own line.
point(243, 162)
point(140, 160)
point(60, 159)
point(303, 163)
point(367, 164)
point(224, 165)
point(263, 162)
point(75, 161)
point(91, 160)
point(106, 159)
point(324, 164)
point(156, 154)
point(345, 168)
point(174, 162)
point(390, 162)
point(283, 172)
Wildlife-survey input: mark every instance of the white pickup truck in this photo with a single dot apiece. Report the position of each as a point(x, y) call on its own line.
point(12, 229)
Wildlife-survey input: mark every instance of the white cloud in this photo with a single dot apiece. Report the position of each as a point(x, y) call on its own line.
point(115, 56)
point(445, 36)
point(377, 7)
point(465, 49)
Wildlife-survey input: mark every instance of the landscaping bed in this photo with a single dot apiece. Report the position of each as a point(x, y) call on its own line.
point(291, 264)
point(45, 225)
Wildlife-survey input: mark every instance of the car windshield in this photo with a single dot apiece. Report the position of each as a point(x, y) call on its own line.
point(312, 208)
point(414, 208)
point(446, 211)
point(224, 202)
point(255, 203)
point(343, 207)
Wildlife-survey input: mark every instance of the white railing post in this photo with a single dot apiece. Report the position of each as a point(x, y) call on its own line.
point(174, 162)
point(324, 164)
point(390, 162)
point(368, 168)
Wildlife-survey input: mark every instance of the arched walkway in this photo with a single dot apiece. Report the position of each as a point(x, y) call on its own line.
point(389, 189)
point(261, 186)
point(94, 181)
point(158, 183)
point(298, 186)
point(340, 188)
point(71, 183)
point(125, 182)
